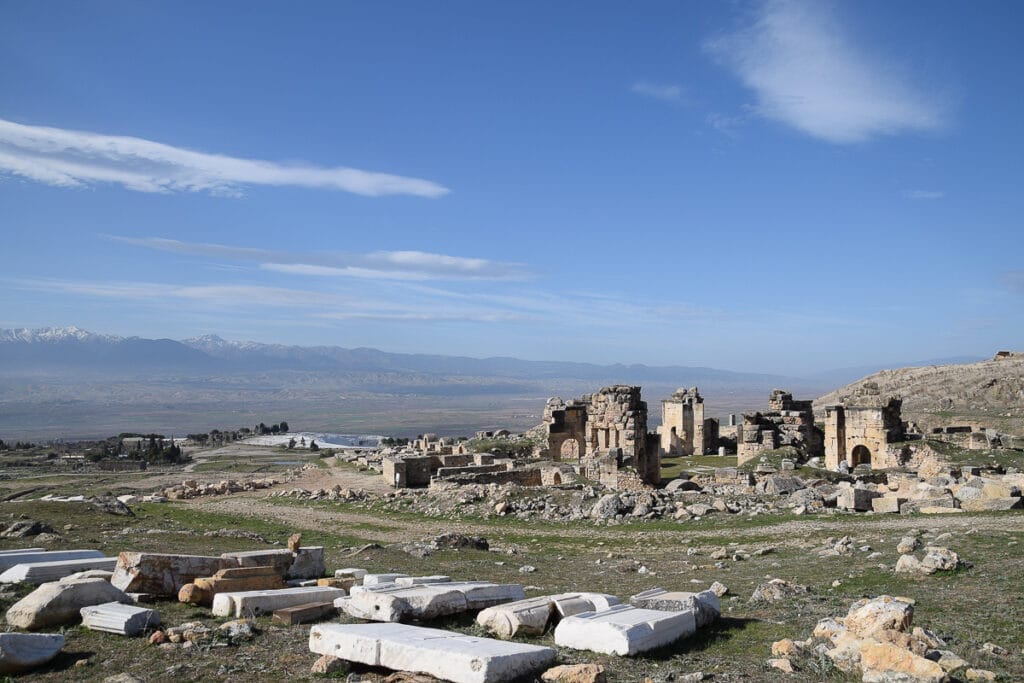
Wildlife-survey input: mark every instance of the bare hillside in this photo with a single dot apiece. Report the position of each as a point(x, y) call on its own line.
point(989, 393)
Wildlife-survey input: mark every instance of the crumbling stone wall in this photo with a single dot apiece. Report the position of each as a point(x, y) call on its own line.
point(602, 432)
point(786, 423)
point(684, 429)
point(860, 434)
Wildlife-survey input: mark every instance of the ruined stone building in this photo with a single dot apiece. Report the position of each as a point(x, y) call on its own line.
point(684, 429)
point(861, 430)
point(604, 435)
point(786, 423)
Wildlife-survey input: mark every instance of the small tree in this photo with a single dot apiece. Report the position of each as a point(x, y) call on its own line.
point(313, 446)
point(291, 444)
point(284, 426)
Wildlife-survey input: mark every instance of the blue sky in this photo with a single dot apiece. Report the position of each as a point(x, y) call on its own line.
point(777, 186)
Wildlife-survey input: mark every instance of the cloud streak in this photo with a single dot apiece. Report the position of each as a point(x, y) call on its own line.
point(666, 92)
point(72, 158)
point(924, 194)
point(378, 265)
point(806, 73)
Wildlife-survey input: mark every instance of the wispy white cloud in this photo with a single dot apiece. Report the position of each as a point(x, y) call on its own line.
point(807, 73)
point(666, 92)
point(386, 265)
point(72, 158)
point(1013, 280)
point(924, 194)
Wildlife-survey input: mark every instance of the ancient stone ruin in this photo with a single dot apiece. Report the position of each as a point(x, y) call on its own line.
point(861, 432)
point(605, 436)
point(684, 429)
point(786, 423)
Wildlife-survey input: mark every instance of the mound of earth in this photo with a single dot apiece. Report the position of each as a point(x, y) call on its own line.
point(985, 394)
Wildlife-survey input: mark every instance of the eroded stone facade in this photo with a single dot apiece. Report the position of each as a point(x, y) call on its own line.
point(786, 423)
point(684, 429)
point(860, 432)
point(603, 433)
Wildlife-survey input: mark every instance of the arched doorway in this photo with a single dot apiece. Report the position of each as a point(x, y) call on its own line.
point(861, 455)
point(557, 479)
point(570, 450)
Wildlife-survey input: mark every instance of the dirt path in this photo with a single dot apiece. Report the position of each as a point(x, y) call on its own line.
point(785, 533)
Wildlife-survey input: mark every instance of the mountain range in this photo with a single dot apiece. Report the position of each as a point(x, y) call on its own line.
point(70, 383)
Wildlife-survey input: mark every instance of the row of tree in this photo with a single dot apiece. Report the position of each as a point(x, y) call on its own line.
point(16, 446)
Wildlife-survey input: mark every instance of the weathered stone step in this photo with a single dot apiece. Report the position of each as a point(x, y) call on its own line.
point(304, 614)
point(41, 572)
point(444, 654)
point(8, 560)
point(428, 601)
point(254, 603)
point(113, 617)
point(623, 630)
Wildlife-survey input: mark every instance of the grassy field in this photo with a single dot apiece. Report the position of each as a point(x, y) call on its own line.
point(983, 603)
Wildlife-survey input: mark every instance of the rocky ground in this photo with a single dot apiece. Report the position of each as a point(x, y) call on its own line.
point(550, 541)
point(986, 394)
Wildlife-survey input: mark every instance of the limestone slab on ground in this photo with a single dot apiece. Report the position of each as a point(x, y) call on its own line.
point(113, 617)
point(162, 574)
point(532, 615)
point(428, 601)
point(234, 579)
point(25, 651)
point(624, 630)
point(419, 580)
point(41, 572)
point(280, 559)
point(378, 579)
point(254, 603)
point(704, 605)
point(15, 557)
point(304, 614)
point(444, 654)
point(59, 602)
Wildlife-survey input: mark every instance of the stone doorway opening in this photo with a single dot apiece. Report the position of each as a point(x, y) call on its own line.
point(861, 455)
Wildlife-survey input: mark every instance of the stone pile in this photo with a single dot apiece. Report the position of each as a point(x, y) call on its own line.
point(337, 493)
point(875, 640)
point(190, 488)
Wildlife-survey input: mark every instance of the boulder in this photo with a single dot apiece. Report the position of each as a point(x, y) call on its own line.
point(61, 602)
point(23, 651)
point(868, 618)
point(937, 558)
point(574, 673)
point(888, 663)
point(776, 590)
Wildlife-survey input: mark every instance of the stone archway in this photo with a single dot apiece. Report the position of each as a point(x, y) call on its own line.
point(861, 455)
point(557, 479)
point(570, 450)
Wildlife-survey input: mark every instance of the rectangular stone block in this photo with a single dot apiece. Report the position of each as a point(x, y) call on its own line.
point(113, 617)
point(855, 499)
point(446, 655)
point(532, 615)
point(624, 630)
point(377, 579)
point(280, 559)
point(304, 614)
point(230, 580)
point(308, 563)
point(887, 504)
point(981, 505)
point(428, 601)
point(420, 580)
point(255, 603)
point(13, 557)
point(36, 573)
point(162, 574)
point(704, 605)
point(350, 572)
